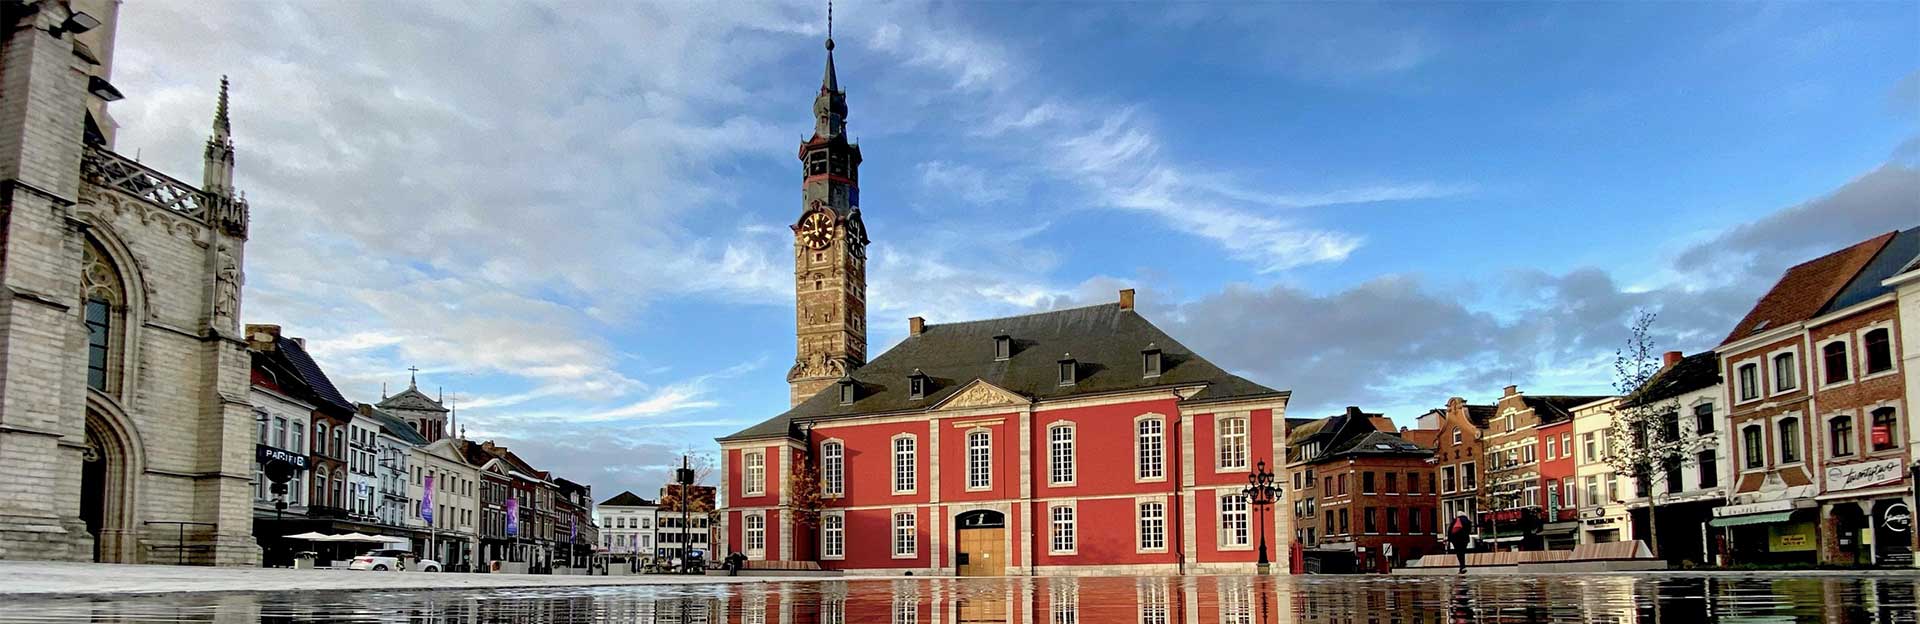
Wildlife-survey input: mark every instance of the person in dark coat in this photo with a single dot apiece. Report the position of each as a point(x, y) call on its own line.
point(1459, 534)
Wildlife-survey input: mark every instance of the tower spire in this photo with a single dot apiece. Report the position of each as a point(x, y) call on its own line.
point(223, 127)
point(413, 377)
point(217, 168)
point(830, 83)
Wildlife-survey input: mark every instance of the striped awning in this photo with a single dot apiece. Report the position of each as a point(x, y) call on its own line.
point(1759, 518)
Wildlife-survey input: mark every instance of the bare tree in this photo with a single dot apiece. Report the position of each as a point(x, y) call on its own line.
point(1646, 441)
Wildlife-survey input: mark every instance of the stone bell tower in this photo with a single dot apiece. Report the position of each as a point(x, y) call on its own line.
point(829, 249)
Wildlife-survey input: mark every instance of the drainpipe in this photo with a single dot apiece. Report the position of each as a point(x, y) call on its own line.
point(1176, 504)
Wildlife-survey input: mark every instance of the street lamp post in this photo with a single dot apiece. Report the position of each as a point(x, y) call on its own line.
point(1260, 493)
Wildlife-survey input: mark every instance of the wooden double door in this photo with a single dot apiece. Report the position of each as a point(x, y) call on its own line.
point(981, 543)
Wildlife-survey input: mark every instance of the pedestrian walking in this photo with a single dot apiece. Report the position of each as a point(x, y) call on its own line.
point(1459, 533)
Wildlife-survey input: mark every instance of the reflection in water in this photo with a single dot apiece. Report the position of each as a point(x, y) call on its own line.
point(1093, 600)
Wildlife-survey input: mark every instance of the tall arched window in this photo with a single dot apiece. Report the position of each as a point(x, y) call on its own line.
point(833, 480)
point(979, 459)
point(319, 485)
point(1060, 454)
point(103, 296)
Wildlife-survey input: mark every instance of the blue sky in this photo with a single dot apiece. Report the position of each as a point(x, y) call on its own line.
point(573, 218)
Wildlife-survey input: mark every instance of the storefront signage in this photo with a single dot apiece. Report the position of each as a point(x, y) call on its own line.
point(1600, 522)
point(1792, 537)
point(1752, 508)
point(265, 454)
point(1863, 474)
point(1897, 518)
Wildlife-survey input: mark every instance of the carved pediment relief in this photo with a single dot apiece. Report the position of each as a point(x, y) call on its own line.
point(981, 394)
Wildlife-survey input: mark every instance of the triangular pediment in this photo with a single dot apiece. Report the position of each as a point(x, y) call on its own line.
point(979, 393)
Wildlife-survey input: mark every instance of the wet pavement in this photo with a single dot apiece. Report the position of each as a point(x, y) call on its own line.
point(1676, 599)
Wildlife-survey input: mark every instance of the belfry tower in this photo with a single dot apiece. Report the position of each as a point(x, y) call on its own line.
point(829, 248)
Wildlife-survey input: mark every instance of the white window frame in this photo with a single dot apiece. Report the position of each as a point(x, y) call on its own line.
point(754, 466)
point(830, 536)
point(1141, 462)
point(1055, 534)
point(1143, 531)
point(748, 533)
point(1449, 479)
point(1456, 435)
point(1466, 475)
point(1854, 448)
point(1221, 439)
point(906, 470)
point(833, 468)
point(1063, 468)
point(1759, 365)
point(1231, 520)
point(905, 519)
point(1765, 454)
point(1779, 446)
point(979, 459)
point(1553, 447)
point(1893, 351)
point(1820, 349)
point(1772, 383)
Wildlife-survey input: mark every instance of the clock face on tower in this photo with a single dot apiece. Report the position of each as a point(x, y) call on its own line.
point(816, 229)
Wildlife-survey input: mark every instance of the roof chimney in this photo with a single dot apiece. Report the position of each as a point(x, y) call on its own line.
point(1126, 298)
point(1672, 358)
point(1512, 390)
point(916, 326)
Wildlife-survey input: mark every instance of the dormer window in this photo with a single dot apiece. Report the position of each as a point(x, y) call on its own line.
point(917, 385)
point(1150, 361)
point(1002, 347)
point(1069, 369)
point(846, 391)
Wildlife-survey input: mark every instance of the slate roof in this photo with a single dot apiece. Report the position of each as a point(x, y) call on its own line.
point(1336, 434)
point(626, 499)
point(1895, 256)
point(319, 389)
point(393, 425)
point(1106, 340)
point(1480, 415)
point(412, 399)
point(1377, 443)
point(1694, 372)
point(1552, 408)
point(1807, 287)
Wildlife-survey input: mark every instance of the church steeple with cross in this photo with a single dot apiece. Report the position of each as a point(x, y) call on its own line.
point(829, 247)
point(424, 413)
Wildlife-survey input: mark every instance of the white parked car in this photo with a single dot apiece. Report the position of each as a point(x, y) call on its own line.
point(385, 560)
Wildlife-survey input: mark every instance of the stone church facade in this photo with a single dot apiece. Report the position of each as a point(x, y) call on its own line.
point(125, 429)
point(1080, 441)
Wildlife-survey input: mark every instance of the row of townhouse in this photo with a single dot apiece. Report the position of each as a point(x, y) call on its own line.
point(636, 529)
point(1364, 496)
point(395, 469)
point(1795, 444)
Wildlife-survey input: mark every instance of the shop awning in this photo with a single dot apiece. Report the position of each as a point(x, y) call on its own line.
point(1761, 518)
